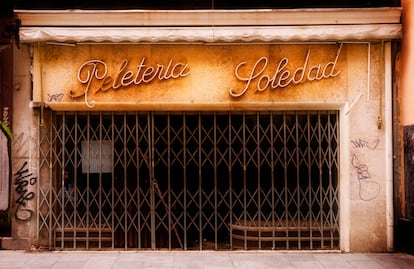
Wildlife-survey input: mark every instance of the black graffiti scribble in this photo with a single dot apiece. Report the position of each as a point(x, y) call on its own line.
point(365, 143)
point(22, 179)
point(57, 97)
point(368, 189)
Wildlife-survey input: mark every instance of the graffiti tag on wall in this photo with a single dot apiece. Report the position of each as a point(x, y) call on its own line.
point(369, 189)
point(57, 97)
point(23, 178)
point(362, 143)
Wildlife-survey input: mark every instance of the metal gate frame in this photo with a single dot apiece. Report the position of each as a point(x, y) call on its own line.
point(189, 180)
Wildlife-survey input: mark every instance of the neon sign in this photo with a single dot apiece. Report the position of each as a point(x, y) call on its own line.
point(282, 76)
point(94, 75)
point(96, 72)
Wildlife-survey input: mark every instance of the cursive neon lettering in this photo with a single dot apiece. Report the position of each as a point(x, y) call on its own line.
point(280, 68)
point(106, 84)
point(182, 70)
point(253, 74)
point(332, 66)
point(160, 69)
point(148, 74)
point(283, 77)
point(314, 69)
point(137, 79)
point(93, 74)
point(263, 83)
point(94, 69)
point(167, 73)
point(117, 83)
point(301, 70)
point(127, 78)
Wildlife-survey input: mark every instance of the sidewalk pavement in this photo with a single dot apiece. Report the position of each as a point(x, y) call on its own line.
point(201, 260)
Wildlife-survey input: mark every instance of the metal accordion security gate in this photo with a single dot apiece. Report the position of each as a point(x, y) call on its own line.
point(189, 180)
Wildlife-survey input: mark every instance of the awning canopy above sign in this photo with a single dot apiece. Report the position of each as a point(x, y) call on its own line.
point(210, 26)
point(212, 34)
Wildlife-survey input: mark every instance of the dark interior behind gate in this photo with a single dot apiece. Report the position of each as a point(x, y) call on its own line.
point(239, 180)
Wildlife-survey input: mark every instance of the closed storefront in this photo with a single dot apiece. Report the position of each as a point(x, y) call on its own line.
point(264, 137)
point(261, 180)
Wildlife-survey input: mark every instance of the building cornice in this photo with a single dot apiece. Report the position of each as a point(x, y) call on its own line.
point(262, 25)
point(327, 16)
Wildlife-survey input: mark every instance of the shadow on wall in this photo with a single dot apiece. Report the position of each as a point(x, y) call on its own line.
point(405, 224)
point(405, 236)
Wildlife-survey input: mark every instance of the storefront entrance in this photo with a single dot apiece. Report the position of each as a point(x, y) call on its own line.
point(236, 180)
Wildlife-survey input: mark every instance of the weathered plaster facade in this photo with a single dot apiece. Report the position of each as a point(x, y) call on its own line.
point(24, 156)
point(351, 77)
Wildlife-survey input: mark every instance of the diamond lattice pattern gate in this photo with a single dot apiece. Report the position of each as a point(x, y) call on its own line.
point(265, 180)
